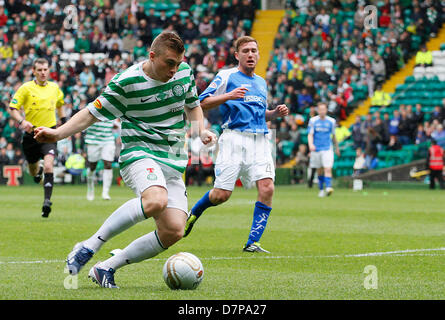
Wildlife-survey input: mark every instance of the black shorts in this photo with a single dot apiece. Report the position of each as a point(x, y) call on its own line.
point(34, 151)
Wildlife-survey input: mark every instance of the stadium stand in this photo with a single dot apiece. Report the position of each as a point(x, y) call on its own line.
point(314, 51)
point(109, 36)
point(321, 52)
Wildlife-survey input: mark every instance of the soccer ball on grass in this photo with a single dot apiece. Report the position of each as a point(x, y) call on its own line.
point(183, 271)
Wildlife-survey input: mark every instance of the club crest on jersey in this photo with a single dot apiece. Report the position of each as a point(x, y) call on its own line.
point(178, 90)
point(97, 104)
point(151, 176)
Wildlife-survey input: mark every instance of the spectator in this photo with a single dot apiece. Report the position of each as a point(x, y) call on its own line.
point(301, 163)
point(305, 100)
point(359, 162)
point(439, 135)
point(357, 134)
point(205, 27)
point(382, 133)
point(424, 57)
point(437, 114)
point(420, 134)
point(394, 123)
point(394, 143)
point(380, 98)
point(419, 115)
point(405, 131)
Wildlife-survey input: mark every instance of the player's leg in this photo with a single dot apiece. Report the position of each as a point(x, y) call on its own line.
point(91, 180)
point(31, 150)
point(153, 200)
point(321, 178)
point(328, 163)
point(227, 168)
point(261, 213)
point(107, 179)
point(93, 156)
point(170, 228)
point(328, 180)
point(48, 182)
point(259, 168)
point(211, 198)
point(108, 157)
point(170, 222)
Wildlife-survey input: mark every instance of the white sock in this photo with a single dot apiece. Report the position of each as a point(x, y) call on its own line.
point(145, 247)
point(123, 218)
point(107, 178)
point(90, 179)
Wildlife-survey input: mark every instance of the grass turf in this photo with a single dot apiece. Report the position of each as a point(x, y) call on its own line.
point(314, 243)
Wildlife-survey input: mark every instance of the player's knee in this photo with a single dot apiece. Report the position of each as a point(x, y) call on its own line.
point(266, 190)
point(48, 167)
point(154, 206)
point(220, 196)
point(107, 165)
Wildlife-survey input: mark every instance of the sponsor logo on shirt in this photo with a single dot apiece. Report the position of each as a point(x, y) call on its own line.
point(252, 98)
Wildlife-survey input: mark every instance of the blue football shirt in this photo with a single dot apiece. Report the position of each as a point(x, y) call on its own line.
point(244, 114)
point(322, 130)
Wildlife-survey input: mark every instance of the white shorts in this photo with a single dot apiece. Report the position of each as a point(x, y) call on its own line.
point(322, 159)
point(96, 152)
point(145, 173)
point(243, 155)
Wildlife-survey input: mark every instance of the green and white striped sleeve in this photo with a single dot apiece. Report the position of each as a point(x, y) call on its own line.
point(191, 97)
point(111, 104)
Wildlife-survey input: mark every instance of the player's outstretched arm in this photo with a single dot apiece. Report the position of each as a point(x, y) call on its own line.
point(80, 121)
point(214, 101)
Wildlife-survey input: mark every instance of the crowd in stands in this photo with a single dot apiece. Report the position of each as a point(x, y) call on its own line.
point(322, 52)
point(122, 30)
point(407, 125)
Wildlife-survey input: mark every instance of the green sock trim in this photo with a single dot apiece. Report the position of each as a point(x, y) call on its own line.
point(143, 212)
point(159, 241)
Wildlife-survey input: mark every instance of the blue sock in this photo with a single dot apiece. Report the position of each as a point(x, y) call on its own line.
point(321, 180)
point(260, 216)
point(328, 181)
point(201, 205)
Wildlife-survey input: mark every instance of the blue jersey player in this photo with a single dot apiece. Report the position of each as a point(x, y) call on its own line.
point(244, 150)
point(321, 141)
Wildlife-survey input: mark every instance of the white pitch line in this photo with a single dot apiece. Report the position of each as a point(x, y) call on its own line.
point(400, 253)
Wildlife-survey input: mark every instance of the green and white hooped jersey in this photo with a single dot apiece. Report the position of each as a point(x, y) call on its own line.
point(151, 113)
point(100, 133)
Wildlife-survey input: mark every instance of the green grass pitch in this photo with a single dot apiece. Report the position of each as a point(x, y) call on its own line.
point(319, 247)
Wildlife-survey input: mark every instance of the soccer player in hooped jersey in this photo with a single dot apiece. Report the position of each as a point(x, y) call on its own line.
point(244, 150)
point(100, 146)
point(321, 140)
point(150, 98)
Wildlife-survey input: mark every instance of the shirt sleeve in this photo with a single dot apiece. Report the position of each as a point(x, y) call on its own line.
point(111, 104)
point(18, 99)
point(215, 88)
point(191, 97)
point(60, 97)
point(310, 127)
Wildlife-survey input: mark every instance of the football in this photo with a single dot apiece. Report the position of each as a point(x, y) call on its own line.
point(183, 271)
